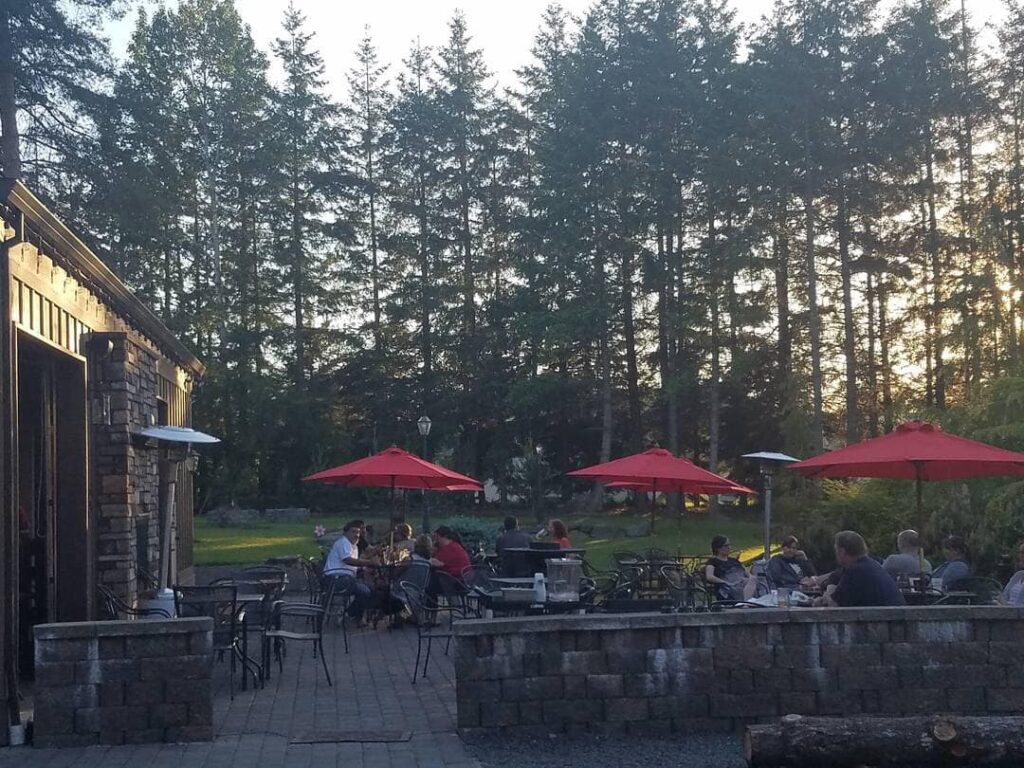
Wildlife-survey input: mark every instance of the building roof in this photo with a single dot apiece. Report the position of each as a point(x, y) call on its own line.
point(96, 275)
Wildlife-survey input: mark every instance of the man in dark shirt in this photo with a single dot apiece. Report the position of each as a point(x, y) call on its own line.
point(511, 536)
point(864, 582)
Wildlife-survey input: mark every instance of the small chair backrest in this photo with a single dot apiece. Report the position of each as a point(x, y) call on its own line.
point(298, 618)
point(659, 555)
point(111, 605)
point(987, 590)
point(453, 589)
point(624, 559)
point(416, 600)
point(219, 602)
point(479, 577)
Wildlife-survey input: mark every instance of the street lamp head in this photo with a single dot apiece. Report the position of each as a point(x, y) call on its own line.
point(423, 425)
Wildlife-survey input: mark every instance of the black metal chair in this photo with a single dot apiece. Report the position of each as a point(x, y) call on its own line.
point(335, 594)
point(296, 622)
point(313, 573)
point(220, 603)
point(625, 559)
point(683, 588)
point(114, 608)
point(425, 618)
point(459, 598)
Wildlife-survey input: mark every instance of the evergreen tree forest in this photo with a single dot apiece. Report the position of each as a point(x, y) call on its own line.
point(672, 229)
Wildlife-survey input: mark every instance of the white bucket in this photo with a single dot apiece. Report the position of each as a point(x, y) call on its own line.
point(16, 735)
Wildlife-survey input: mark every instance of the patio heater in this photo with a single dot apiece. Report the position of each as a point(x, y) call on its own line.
point(768, 463)
point(423, 425)
point(175, 445)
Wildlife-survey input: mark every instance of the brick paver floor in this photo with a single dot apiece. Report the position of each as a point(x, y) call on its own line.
point(372, 693)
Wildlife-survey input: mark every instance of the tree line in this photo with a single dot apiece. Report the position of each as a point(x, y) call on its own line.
point(671, 229)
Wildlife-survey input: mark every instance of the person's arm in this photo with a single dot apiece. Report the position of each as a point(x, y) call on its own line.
point(709, 575)
point(775, 571)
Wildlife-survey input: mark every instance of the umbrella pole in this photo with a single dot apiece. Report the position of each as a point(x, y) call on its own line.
point(767, 516)
point(654, 500)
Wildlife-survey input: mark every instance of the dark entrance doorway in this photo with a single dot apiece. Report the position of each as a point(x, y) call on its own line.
point(54, 530)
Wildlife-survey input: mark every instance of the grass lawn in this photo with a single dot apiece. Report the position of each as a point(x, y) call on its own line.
point(254, 544)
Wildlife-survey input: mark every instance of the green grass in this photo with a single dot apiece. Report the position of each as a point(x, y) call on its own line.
point(254, 544)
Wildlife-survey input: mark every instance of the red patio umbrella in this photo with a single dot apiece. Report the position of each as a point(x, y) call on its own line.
point(657, 470)
point(915, 450)
point(394, 468)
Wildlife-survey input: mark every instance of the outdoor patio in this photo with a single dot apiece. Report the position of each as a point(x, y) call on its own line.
point(372, 695)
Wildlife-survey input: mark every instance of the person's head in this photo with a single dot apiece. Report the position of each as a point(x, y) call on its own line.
point(954, 548)
point(445, 535)
point(558, 529)
point(720, 546)
point(511, 523)
point(790, 547)
point(850, 547)
point(353, 530)
point(403, 532)
point(908, 542)
point(423, 546)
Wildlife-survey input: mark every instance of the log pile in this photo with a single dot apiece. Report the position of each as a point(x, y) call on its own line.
point(867, 742)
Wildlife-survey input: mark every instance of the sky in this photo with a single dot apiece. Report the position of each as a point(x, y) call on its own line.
point(503, 29)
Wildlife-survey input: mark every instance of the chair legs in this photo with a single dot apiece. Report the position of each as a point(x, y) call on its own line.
point(323, 660)
point(419, 647)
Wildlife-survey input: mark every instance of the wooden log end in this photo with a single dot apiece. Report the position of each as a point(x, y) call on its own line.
point(944, 731)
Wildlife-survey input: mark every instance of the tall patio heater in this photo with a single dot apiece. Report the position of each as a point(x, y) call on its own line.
point(175, 445)
point(768, 462)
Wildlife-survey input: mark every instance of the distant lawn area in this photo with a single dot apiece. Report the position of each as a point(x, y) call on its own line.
point(254, 544)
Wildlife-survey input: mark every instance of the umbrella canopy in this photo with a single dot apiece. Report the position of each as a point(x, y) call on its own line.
point(915, 450)
point(658, 470)
point(683, 487)
point(395, 468)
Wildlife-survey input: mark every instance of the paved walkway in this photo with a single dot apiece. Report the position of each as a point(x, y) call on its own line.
point(372, 693)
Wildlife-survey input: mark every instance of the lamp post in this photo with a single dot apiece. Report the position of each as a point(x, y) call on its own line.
point(423, 425)
point(768, 463)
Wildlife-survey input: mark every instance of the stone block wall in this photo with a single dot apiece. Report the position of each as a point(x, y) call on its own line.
point(123, 682)
point(661, 673)
point(126, 476)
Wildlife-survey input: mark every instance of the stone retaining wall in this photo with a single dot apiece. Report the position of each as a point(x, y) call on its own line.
point(123, 682)
point(660, 673)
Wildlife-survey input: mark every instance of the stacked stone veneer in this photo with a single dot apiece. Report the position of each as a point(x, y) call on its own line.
point(123, 682)
point(126, 475)
point(655, 673)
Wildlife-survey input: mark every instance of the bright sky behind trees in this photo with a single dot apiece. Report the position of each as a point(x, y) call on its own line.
point(503, 29)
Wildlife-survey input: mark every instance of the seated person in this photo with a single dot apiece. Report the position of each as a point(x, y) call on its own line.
point(955, 567)
point(449, 555)
point(511, 537)
point(415, 569)
point(1013, 594)
point(559, 533)
point(403, 537)
point(863, 582)
point(344, 560)
point(730, 580)
point(908, 561)
point(790, 567)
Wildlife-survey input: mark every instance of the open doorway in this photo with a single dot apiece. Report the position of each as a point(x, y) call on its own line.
point(54, 531)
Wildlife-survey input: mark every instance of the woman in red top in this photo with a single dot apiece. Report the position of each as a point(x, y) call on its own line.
point(559, 533)
point(449, 556)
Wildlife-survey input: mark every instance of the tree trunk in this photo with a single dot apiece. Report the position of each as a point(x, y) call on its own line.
point(814, 322)
point(849, 332)
point(936, 268)
point(780, 244)
point(872, 362)
point(883, 350)
point(10, 144)
point(938, 740)
point(714, 395)
point(634, 430)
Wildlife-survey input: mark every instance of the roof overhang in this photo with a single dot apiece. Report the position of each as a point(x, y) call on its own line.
point(98, 275)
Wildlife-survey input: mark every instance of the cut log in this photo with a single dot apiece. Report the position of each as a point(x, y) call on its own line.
point(886, 742)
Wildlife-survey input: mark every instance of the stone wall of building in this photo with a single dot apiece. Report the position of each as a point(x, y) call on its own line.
point(123, 682)
point(661, 673)
point(126, 475)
